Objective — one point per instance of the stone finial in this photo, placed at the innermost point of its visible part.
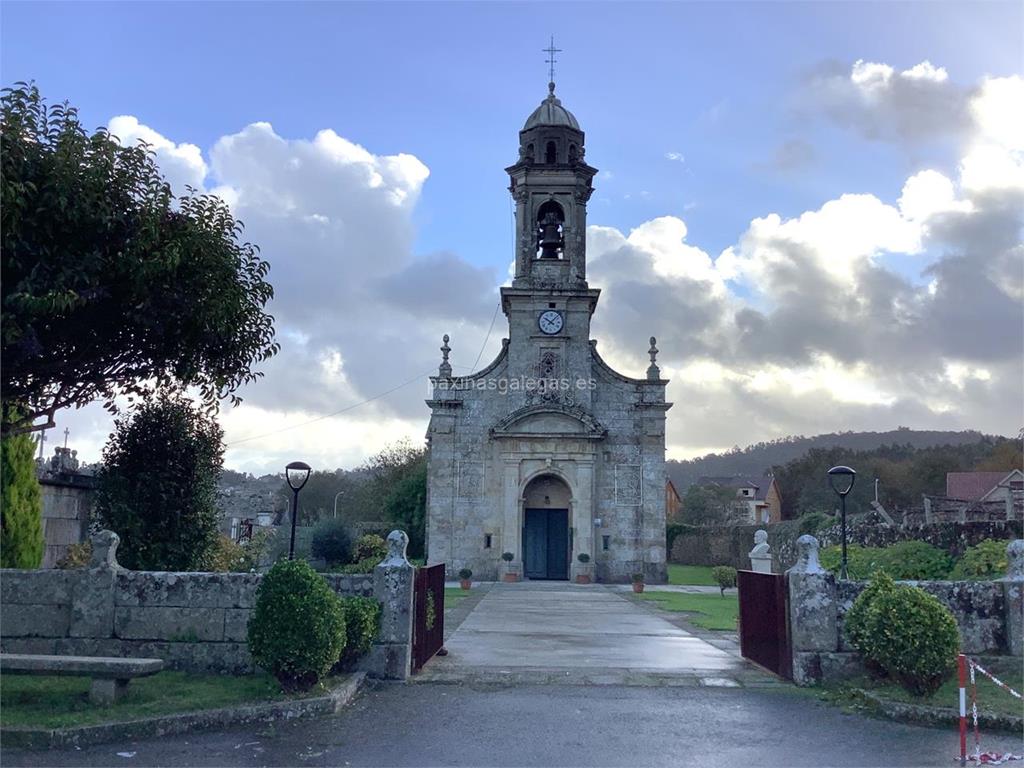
(807, 556)
(1015, 561)
(653, 371)
(445, 369)
(397, 542)
(104, 549)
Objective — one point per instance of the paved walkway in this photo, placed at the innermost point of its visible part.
(538, 631)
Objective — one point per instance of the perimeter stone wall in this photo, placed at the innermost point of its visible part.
(988, 614)
(196, 622)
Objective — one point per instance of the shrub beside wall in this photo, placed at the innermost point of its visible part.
(905, 632)
(297, 629)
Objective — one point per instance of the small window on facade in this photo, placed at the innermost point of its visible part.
(552, 306)
(487, 541)
(606, 542)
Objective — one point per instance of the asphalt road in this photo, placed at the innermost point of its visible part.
(455, 725)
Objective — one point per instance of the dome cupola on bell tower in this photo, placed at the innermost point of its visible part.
(551, 185)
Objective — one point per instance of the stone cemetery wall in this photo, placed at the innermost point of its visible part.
(988, 614)
(729, 545)
(196, 622)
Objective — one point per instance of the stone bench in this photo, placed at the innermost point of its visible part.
(110, 675)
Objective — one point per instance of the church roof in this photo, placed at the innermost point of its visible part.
(551, 112)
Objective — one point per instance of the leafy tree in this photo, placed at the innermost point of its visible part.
(707, 505)
(405, 504)
(158, 485)
(110, 285)
(331, 541)
(1004, 458)
(21, 535)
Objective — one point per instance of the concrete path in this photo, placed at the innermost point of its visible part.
(545, 631)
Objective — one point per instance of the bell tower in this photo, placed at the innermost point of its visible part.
(551, 185)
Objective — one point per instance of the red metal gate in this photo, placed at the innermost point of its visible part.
(428, 614)
(764, 625)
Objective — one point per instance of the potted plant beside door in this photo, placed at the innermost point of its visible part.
(583, 573)
(465, 578)
(509, 571)
(638, 583)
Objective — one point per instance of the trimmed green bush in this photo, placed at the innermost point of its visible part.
(297, 629)
(916, 560)
(725, 576)
(508, 557)
(21, 533)
(369, 546)
(911, 636)
(465, 573)
(583, 557)
(331, 542)
(855, 622)
(985, 560)
(362, 623)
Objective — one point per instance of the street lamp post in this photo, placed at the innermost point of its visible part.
(339, 493)
(296, 473)
(841, 479)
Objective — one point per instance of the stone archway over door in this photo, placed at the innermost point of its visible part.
(547, 544)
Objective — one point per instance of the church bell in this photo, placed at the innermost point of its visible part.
(551, 240)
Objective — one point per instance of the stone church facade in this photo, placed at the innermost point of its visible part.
(548, 453)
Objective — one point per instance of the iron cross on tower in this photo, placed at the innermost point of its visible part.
(551, 51)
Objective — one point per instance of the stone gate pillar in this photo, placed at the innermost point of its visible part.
(391, 655)
(812, 612)
(1013, 591)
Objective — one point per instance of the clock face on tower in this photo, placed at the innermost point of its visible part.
(550, 322)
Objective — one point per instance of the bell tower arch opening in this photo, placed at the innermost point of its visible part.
(550, 235)
(547, 544)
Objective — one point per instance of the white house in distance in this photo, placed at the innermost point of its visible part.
(758, 500)
(985, 486)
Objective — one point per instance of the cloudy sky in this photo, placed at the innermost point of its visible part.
(816, 208)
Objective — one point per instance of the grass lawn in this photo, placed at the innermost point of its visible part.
(991, 698)
(452, 596)
(710, 611)
(62, 702)
(691, 575)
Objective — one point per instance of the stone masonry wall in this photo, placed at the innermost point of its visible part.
(195, 621)
(988, 614)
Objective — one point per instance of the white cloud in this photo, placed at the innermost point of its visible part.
(181, 164)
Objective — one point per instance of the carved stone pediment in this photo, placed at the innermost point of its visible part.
(549, 419)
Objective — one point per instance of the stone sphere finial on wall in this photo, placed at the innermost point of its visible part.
(104, 549)
(398, 542)
(807, 555)
(1015, 560)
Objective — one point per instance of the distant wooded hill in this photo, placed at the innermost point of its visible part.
(754, 460)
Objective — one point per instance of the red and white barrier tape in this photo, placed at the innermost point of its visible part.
(982, 758)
